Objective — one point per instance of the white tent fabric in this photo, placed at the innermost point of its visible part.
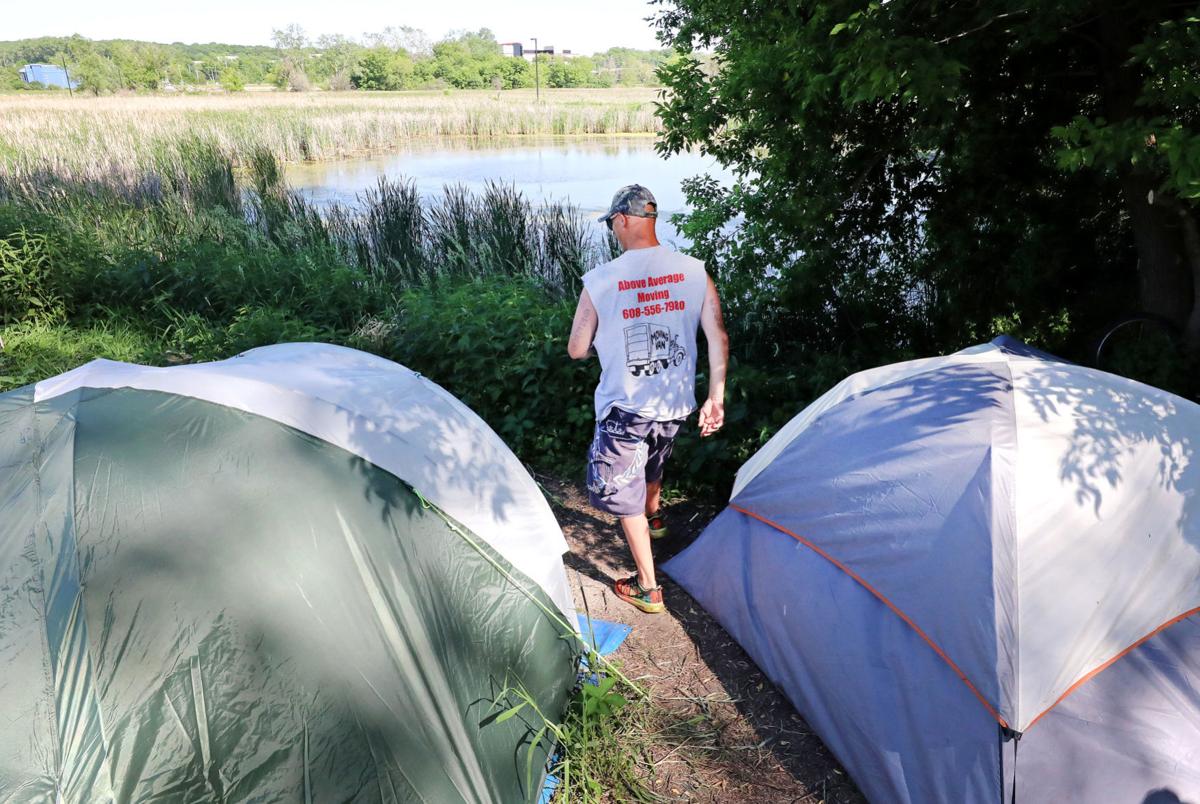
(384, 413)
(1097, 478)
(851, 386)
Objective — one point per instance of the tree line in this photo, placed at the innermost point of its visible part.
(396, 58)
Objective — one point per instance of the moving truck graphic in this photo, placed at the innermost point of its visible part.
(650, 348)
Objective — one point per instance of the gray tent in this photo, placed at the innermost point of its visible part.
(303, 574)
(939, 557)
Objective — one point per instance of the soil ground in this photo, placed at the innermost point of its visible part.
(746, 742)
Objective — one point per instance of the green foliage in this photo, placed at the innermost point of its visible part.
(574, 72)
(96, 74)
(907, 179)
(394, 59)
(231, 79)
(469, 60)
(34, 351)
(1163, 138)
(125, 64)
(499, 345)
(26, 292)
(381, 68)
(515, 73)
(600, 739)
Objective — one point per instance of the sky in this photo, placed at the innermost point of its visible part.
(582, 27)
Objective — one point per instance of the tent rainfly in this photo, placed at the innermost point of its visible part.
(302, 574)
(978, 578)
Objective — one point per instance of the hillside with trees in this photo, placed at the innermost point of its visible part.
(396, 58)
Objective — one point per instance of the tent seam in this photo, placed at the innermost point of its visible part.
(105, 744)
(48, 665)
(1016, 544)
(78, 605)
(1102, 667)
(1003, 358)
(879, 595)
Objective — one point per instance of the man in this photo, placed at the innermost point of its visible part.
(640, 314)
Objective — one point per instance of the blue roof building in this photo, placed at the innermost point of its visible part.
(49, 74)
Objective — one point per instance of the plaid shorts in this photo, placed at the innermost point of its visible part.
(627, 452)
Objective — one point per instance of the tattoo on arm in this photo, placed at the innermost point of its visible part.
(583, 328)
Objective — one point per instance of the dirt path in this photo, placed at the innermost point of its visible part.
(747, 744)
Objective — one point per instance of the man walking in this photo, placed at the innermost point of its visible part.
(640, 313)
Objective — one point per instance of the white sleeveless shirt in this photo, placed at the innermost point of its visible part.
(648, 302)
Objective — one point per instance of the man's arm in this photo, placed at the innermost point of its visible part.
(583, 330)
(712, 412)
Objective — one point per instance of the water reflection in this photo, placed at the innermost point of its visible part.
(585, 172)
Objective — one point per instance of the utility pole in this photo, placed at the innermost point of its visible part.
(70, 91)
(537, 82)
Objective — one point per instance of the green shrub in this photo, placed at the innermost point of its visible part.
(26, 287)
(499, 345)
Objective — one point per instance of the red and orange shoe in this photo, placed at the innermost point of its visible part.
(648, 600)
(658, 527)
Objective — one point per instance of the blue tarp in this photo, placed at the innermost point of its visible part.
(605, 638)
(49, 74)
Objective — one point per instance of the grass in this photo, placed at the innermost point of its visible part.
(34, 351)
(95, 139)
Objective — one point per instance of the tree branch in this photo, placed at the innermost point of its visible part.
(977, 29)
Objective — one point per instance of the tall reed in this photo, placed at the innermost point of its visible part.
(189, 237)
(100, 138)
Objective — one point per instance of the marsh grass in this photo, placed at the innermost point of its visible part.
(123, 137)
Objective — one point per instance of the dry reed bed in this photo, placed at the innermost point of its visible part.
(86, 137)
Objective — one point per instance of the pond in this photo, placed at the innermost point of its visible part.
(584, 172)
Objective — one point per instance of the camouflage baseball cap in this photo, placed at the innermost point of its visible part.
(633, 199)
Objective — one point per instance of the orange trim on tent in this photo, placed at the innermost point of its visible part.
(957, 671)
(1110, 662)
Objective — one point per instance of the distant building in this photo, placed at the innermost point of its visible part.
(50, 75)
(518, 51)
(545, 50)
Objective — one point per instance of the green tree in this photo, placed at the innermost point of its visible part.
(290, 72)
(231, 79)
(572, 72)
(452, 62)
(382, 68)
(470, 60)
(912, 176)
(515, 73)
(337, 59)
(10, 78)
(290, 39)
(96, 74)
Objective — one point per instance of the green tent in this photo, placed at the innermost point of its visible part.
(302, 574)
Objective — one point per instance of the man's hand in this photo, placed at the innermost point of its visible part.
(712, 414)
(712, 417)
